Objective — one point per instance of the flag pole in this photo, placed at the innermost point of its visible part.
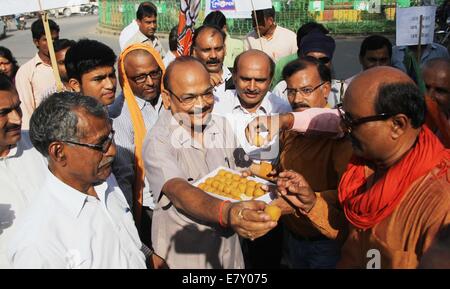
(51, 50)
(257, 24)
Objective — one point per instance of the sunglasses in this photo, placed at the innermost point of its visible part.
(351, 123)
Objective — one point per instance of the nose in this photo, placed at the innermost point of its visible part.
(109, 82)
(15, 117)
(112, 150)
(149, 81)
(213, 54)
(252, 84)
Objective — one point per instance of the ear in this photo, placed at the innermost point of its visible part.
(166, 99)
(57, 154)
(326, 88)
(75, 85)
(36, 42)
(400, 123)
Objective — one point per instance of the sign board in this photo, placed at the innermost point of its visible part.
(9, 7)
(236, 8)
(316, 6)
(407, 26)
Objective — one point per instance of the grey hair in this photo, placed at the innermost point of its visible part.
(56, 118)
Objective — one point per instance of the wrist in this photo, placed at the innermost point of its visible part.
(287, 121)
(224, 213)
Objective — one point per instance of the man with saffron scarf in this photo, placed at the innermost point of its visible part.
(140, 72)
(394, 197)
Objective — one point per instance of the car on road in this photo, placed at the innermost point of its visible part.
(83, 9)
(2, 29)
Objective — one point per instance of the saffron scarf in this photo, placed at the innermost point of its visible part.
(365, 208)
(138, 125)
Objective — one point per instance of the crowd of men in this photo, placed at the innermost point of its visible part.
(91, 179)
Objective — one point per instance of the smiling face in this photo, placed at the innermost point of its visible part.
(10, 118)
(191, 95)
(140, 68)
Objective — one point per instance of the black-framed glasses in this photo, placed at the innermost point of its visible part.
(306, 91)
(189, 99)
(156, 74)
(351, 123)
(103, 147)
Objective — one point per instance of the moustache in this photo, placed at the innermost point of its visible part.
(300, 105)
(13, 127)
(199, 110)
(247, 91)
(105, 162)
(213, 61)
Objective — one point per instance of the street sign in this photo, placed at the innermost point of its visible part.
(408, 25)
(9, 7)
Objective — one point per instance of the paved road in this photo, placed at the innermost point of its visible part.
(345, 60)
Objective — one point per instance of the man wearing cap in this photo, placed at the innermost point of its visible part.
(321, 47)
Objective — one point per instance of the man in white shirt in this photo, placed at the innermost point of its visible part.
(208, 46)
(146, 19)
(275, 40)
(252, 76)
(81, 218)
(22, 167)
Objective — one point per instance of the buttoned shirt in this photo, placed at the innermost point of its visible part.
(170, 152)
(282, 43)
(230, 107)
(65, 228)
(431, 51)
(22, 175)
(33, 80)
(124, 164)
(139, 37)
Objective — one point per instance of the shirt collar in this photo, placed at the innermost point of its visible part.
(38, 61)
(183, 136)
(265, 106)
(143, 103)
(72, 199)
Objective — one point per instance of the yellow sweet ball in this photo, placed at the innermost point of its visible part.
(243, 181)
(273, 211)
(221, 186)
(215, 184)
(228, 181)
(228, 175)
(258, 193)
(236, 194)
(249, 191)
(222, 173)
(209, 181)
(251, 184)
(236, 177)
(234, 185)
(241, 188)
(227, 190)
(202, 186)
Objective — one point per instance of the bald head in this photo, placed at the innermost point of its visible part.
(256, 56)
(185, 68)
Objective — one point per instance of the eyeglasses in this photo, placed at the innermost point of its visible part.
(292, 92)
(103, 147)
(351, 123)
(142, 78)
(189, 99)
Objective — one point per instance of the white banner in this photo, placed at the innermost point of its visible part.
(236, 8)
(407, 26)
(8, 7)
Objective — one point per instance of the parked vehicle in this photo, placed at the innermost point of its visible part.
(20, 22)
(83, 9)
(2, 28)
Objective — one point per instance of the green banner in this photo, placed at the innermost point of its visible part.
(316, 6)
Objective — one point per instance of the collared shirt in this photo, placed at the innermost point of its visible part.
(169, 58)
(338, 88)
(65, 228)
(139, 37)
(220, 90)
(431, 51)
(170, 152)
(127, 33)
(124, 162)
(230, 107)
(22, 175)
(33, 79)
(282, 43)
